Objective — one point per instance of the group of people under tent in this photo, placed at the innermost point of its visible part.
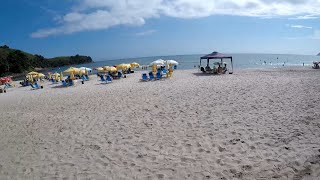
(217, 70)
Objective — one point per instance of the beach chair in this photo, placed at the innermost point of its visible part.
(164, 72)
(119, 75)
(87, 77)
(35, 86)
(108, 79)
(144, 77)
(102, 78)
(7, 85)
(175, 67)
(151, 76)
(84, 78)
(64, 84)
(71, 83)
(158, 75)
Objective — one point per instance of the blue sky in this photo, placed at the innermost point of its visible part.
(108, 29)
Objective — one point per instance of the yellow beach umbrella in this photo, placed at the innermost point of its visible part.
(99, 68)
(72, 70)
(81, 72)
(123, 66)
(33, 73)
(135, 64)
(72, 76)
(56, 74)
(110, 69)
(61, 76)
(154, 68)
(30, 78)
(40, 75)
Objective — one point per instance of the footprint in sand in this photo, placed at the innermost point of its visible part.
(247, 167)
(160, 176)
(221, 149)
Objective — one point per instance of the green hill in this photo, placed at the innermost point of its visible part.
(16, 61)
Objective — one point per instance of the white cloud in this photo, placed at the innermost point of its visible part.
(145, 33)
(305, 17)
(300, 27)
(89, 15)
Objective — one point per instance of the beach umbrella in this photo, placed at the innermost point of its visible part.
(40, 75)
(154, 68)
(110, 69)
(158, 62)
(123, 66)
(33, 73)
(61, 76)
(56, 74)
(85, 68)
(81, 72)
(99, 68)
(72, 70)
(72, 76)
(3, 80)
(135, 64)
(171, 62)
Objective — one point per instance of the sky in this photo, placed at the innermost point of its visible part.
(110, 29)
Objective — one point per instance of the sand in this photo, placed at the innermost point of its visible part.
(254, 124)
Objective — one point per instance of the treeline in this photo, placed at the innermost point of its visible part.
(16, 61)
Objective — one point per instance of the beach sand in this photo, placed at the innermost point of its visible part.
(253, 124)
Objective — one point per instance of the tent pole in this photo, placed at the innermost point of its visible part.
(232, 64)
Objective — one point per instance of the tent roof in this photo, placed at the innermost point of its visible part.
(215, 55)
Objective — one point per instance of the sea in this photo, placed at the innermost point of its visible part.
(240, 61)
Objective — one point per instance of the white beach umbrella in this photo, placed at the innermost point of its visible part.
(158, 62)
(172, 62)
(85, 68)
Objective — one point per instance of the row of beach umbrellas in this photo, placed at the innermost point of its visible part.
(118, 67)
(164, 62)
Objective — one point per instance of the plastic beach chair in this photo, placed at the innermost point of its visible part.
(64, 84)
(84, 78)
(119, 74)
(34, 86)
(164, 72)
(102, 78)
(109, 79)
(71, 83)
(151, 76)
(159, 76)
(144, 77)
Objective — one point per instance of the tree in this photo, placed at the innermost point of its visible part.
(4, 47)
(18, 62)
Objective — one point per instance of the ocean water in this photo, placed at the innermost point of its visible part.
(240, 61)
